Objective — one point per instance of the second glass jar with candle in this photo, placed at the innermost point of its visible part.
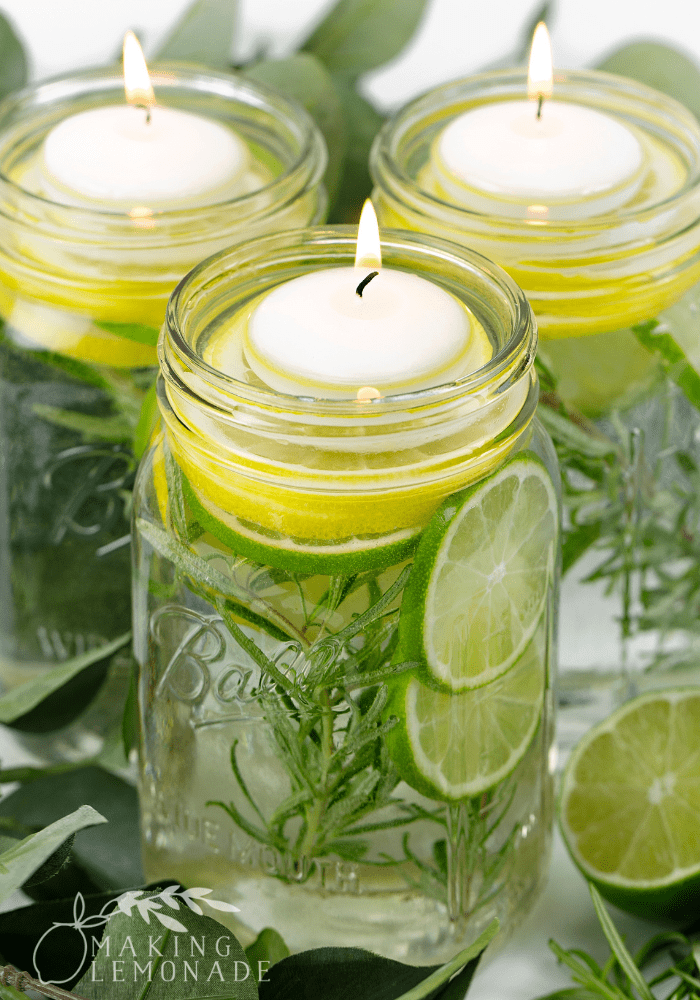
(345, 612)
(606, 270)
(84, 280)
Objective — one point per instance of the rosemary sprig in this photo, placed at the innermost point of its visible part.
(622, 977)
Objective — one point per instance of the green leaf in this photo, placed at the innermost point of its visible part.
(132, 331)
(20, 862)
(110, 856)
(659, 66)
(657, 340)
(305, 78)
(578, 541)
(268, 947)
(115, 428)
(346, 973)
(359, 35)
(220, 972)
(204, 34)
(21, 700)
(362, 122)
(10, 993)
(148, 421)
(13, 61)
(53, 865)
(617, 947)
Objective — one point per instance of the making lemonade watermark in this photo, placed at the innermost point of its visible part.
(128, 956)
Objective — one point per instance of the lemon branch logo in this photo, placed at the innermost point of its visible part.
(131, 903)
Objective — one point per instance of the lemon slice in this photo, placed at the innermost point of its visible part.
(480, 577)
(630, 805)
(457, 746)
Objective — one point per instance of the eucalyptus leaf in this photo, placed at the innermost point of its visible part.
(362, 122)
(348, 973)
(659, 66)
(659, 341)
(305, 78)
(204, 34)
(138, 332)
(359, 35)
(222, 971)
(115, 428)
(13, 61)
(147, 422)
(52, 866)
(21, 700)
(21, 861)
(268, 947)
(110, 856)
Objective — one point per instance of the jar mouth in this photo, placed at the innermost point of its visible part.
(402, 142)
(228, 280)
(27, 116)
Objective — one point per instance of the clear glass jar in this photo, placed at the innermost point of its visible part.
(590, 281)
(282, 692)
(82, 296)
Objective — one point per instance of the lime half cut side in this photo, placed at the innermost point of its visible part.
(480, 576)
(457, 746)
(269, 548)
(630, 805)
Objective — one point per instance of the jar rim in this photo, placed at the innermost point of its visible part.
(30, 108)
(270, 255)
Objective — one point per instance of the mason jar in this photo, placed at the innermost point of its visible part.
(345, 621)
(607, 286)
(83, 289)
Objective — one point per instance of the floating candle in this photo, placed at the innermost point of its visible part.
(140, 153)
(510, 156)
(334, 332)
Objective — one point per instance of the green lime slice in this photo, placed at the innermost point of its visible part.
(268, 548)
(457, 746)
(630, 805)
(480, 577)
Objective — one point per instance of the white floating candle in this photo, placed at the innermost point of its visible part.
(359, 332)
(569, 159)
(142, 154)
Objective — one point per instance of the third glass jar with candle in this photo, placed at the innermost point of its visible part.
(345, 596)
(103, 208)
(594, 209)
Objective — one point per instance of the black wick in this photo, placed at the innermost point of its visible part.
(365, 281)
(540, 102)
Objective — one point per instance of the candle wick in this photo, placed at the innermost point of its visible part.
(365, 281)
(540, 102)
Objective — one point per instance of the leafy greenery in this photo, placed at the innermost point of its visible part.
(13, 61)
(204, 34)
(660, 66)
(622, 976)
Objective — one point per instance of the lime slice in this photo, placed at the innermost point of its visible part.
(457, 746)
(269, 548)
(630, 805)
(480, 577)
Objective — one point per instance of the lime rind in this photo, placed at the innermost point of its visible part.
(477, 737)
(446, 634)
(615, 805)
(267, 548)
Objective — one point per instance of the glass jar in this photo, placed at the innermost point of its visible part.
(602, 288)
(82, 296)
(297, 752)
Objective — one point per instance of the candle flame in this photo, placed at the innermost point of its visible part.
(137, 83)
(369, 253)
(539, 72)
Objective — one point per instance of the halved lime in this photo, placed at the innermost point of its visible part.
(480, 576)
(457, 746)
(269, 548)
(630, 805)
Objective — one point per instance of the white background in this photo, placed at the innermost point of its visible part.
(457, 37)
